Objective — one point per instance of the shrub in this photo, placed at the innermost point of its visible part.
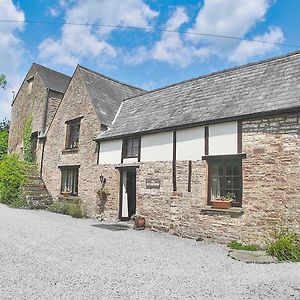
(286, 247)
(59, 207)
(239, 246)
(20, 203)
(66, 208)
(75, 211)
(12, 177)
(3, 142)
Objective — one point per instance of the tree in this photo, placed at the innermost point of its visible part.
(2, 81)
(4, 128)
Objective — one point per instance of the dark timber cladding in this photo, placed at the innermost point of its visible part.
(239, 137)
(190, 177)
(174, 162)
(206, 137)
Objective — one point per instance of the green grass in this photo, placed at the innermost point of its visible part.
(286, 247)
(239, 246)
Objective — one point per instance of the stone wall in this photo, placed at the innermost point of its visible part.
(77, 104)
(25, 104)
(271, 192)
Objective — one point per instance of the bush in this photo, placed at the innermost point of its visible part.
(286, 247)
(3, 143)
(20, 203)
(67, 208)
(239, 246)
(12, 178)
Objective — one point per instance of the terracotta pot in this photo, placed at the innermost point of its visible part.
(220, 204)
(139, 223)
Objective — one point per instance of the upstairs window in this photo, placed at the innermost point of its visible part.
(73, 130)
(69, 180)
(131, 147)
(225, 176)
(29, 85)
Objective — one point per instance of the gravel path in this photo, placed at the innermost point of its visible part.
(51, 256)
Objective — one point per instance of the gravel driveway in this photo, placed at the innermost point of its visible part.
(51, 256)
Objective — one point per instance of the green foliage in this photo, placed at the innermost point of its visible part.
(4, 127)
(3, 142)
(239, 246)
(67, 208)
(12, 178)
(3, 81)
(286, 247)
(27, 140)
(19, 203)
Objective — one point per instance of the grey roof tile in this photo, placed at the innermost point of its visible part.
(53, 80)
(260, 87)
(106, 94)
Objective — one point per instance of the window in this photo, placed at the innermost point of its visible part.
(225, 176)
(131, 147)
(73, 129)
(29, 85)
(69, 180)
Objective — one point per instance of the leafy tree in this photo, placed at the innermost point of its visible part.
(4, 128)
(2, 81)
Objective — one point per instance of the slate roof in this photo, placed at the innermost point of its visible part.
(262, 87)
(53, 80)
(106, 94)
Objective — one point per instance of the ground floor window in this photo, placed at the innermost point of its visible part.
(225, 176)
(69, 180)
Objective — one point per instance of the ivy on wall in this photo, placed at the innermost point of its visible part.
(27, 151)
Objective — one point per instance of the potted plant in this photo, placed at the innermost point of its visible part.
(223, 202)
(102, 193)
(139, 222)
(66, 193)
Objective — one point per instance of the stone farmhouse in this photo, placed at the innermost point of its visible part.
(166, 154)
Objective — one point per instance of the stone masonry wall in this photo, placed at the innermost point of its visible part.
(271, 193)
(77, 104)
(23, 106)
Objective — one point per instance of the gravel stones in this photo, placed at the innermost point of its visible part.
(50, 256)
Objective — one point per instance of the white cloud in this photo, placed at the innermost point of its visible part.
(219, 17)
(228, 17)
(11, 53)
(78, 42)
(247, 49)
(53, 12)
(170, 48)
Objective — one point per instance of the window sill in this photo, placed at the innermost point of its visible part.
(69, 151)
(233, 212)
(62, 198)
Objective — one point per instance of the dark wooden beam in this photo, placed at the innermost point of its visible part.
(206, 140)
(190, 177)
(174, 162)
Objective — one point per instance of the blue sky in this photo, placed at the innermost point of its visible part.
(143, 58)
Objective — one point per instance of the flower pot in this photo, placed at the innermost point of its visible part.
(221, 204)
(66, 194)
(139, 223)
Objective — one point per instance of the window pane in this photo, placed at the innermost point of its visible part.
(73, 131)
(69, 181)
(224, 178)
(131, 147)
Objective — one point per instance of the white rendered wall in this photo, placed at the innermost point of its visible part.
(110, 152)
(190, 144)
(223, 138)
(157, 147)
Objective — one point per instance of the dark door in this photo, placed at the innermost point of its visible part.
(131, 192)
(127, 193)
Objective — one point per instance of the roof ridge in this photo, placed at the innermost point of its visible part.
(39, 65)
(109, 78)
(220, 72)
